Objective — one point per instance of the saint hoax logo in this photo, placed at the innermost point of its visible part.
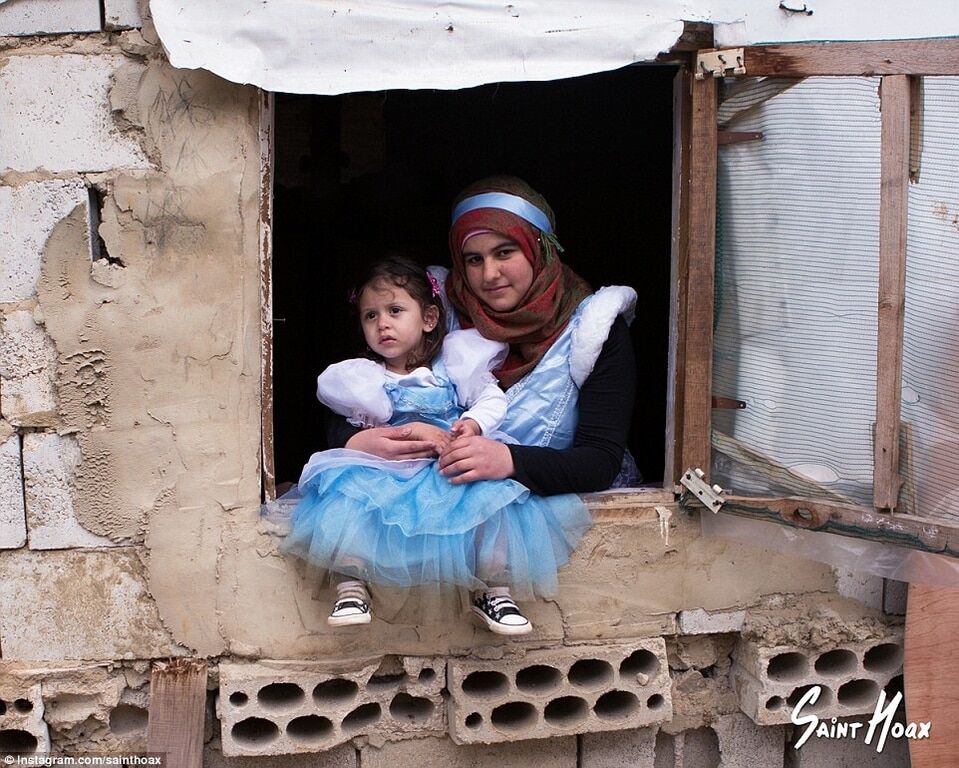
(881, 725)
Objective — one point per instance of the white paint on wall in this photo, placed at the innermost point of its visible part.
(299, 46)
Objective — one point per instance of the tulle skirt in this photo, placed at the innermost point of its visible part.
(401, 523)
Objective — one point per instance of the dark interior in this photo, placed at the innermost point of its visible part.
(362, 174)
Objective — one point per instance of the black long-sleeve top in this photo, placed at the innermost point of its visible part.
(605, 407)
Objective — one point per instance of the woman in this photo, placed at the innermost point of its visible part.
(570, 373)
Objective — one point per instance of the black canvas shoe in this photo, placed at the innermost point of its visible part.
(352, 605)
(502, 616)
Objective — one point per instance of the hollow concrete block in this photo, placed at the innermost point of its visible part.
(122, 14)
(554, 753)
(28, 365)
(22, 728)
(289, 707)
(43, 17)
(697, 621)
(770, 681)
(579, 689)
(55, 115)
(343, 756)
(635, 748)
(78, 604)
(13, 526)
(849, 752)
(50, 464)
(28, 213)
(743, 744)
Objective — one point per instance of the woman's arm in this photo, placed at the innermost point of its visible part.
(592, 462)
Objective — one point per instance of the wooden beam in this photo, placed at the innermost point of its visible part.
(891, 57)
(738, 137)
(177, 712)
(678, 272)
(893, 207)
(698, 351)
(267, 463)
(814, 514)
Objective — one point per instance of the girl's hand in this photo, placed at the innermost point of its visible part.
(465, 428)
(438, 438)
(394, 443)
(472, 458)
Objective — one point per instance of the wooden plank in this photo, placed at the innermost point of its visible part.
(893, 207)
(267, 463)
(177, 712)
(815, 514)
(698, 351)
(678, 273)
(891, 57)
(930, 672)
(737, 137)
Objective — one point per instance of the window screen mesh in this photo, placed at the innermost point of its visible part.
(796, 288)
(930, 369)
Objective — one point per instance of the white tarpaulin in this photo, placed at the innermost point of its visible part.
(337, 46)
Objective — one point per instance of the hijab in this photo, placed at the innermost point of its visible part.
(508, 206)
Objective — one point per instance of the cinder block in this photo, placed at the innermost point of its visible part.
(55, 115)
(743, 744)
(864, 587)
(28, 214)
(75, 604)
(849, 752)
(343, 756)
(13, 524)
(699, 748)
(122, 14)
(700, 622)
(50, 465)
(554, 753)
(22, 728)
(287, 707)
(619, 749)
(894, 597)
(28, 364)
(770, 681)
(559, 692)
(43, 17)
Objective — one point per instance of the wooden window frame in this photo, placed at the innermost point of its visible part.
(899, 64)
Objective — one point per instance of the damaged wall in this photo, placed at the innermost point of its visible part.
(129, 454)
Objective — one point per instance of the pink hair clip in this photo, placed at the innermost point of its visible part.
(434, 283)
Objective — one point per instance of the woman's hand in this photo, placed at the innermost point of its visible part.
(394, 443)
(472, 458)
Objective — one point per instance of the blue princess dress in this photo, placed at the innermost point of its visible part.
(401, 523)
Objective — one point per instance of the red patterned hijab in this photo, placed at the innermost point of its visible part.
(531, 327)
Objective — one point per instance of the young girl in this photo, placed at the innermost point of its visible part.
(402, 523)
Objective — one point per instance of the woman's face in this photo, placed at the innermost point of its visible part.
(496, 271)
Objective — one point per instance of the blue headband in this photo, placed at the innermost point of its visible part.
(505, 202)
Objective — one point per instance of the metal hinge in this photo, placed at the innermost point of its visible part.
(694, 481)
(729, 61)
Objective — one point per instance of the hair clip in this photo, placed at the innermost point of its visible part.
(351, 296)
(434, 283)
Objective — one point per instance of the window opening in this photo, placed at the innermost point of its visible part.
(359, 174)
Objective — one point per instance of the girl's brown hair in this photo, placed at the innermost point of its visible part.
(402, 272)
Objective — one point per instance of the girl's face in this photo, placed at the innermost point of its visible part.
(496, 271)
(393, 323)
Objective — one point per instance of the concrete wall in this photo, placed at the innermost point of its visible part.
(129, 478)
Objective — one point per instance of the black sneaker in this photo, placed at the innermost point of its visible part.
(502, 616)
(352, 605)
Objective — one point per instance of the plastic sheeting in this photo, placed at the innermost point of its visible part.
(797, 285)
(845, 552)
(335, 46)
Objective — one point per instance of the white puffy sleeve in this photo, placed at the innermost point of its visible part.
(469, 360)
(354, 388)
